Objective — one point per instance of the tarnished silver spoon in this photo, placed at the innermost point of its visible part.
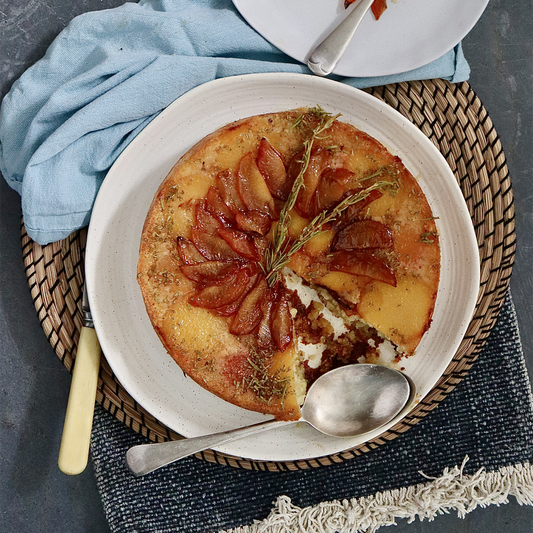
(326, 55)
(345, 402)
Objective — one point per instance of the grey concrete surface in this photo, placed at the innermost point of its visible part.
(34, 495)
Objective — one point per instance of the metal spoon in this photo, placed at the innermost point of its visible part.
(345, 402)
(326, 55)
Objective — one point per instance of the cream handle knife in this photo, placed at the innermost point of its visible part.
(74, 450)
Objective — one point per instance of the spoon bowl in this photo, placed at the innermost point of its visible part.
(346, 402)
(355, 399)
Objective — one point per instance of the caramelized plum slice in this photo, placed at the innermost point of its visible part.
(227, 186)
(378, 7)
(222, 294)
(240, 242)
(363, 234)
(357, 210)
(331, 188)
(281, 321)
(265, 340)
(217, 207)
(212, 246)
(363, 263)
(252, 187)
(249, 314)
(270, 164)
(204, 219)
(209, 271)
(232, 308)
(262, 244)
(253, 221)
(318, 161)
(188, 252)
(295, 166)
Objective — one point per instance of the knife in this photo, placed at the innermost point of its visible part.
(74, 449)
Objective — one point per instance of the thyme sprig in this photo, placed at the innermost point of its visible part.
(281, 249)
(281, 232)
(315, 227)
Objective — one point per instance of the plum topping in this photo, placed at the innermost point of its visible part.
(270, 164)
(363, 263)
(240, 242)
(227, 186)
(210, 271)
(252, 187)
(334, 182)
(230, 309)
(205, 221)
(231, 235)
(378, 7)
(223, 293)
(363, 234)
(318, 162)
(265, 341)
(212, 246)
(356, 211)
(249, 313)
(253, 221)
(217, 207)
(188, 252)
(281, 321)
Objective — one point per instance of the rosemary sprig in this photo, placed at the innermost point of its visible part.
(314, 228)
(281, 248)
(280, 236)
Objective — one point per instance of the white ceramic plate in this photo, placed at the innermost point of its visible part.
(128, 340)
(410, 34)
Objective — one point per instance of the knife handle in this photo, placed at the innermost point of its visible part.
(74, 450)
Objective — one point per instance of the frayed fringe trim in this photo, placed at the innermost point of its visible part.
(453, 491)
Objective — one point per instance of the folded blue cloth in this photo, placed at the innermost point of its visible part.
(109, 73)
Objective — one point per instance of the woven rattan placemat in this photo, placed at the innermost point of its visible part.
(454, 119)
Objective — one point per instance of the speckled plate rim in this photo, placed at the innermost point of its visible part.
(111, 257)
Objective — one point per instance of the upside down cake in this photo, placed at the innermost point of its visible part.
(284, 245)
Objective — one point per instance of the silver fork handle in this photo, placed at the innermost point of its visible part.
(326, 55)
(146, 458)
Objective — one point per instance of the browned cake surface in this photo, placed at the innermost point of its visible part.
(220, 231)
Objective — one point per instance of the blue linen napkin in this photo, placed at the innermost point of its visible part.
(107, 75)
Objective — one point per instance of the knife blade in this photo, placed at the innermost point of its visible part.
(74, 448)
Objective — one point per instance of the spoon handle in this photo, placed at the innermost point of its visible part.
(146, 458)
(74, 449)
(326, 55)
